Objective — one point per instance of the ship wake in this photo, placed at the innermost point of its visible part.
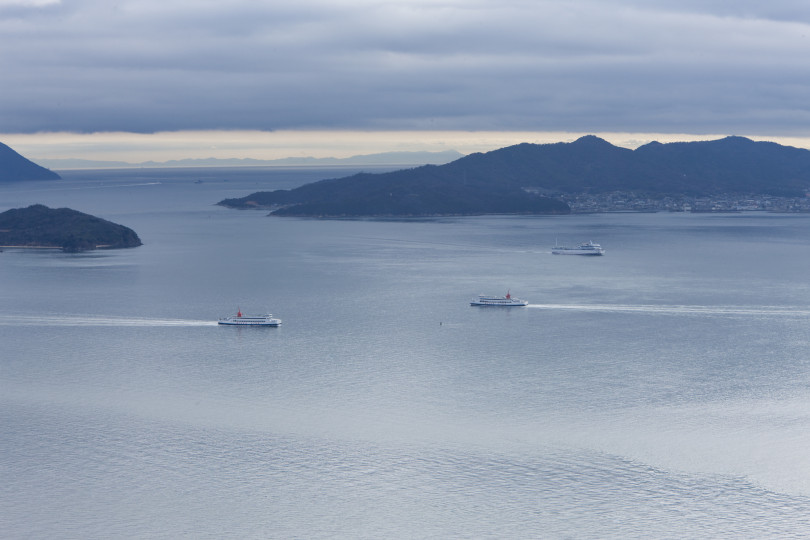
(85, 320)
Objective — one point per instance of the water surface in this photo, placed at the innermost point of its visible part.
(658, 391)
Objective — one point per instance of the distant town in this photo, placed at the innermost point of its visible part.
(628, 201)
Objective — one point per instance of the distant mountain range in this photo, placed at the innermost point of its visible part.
(525, 178)
(384, 158)
(15, 168)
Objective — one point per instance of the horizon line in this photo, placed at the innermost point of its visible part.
(316, 144)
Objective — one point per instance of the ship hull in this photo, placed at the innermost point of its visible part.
(588, 248)
(574, 251)
(495, 304)
(499, 301)
(249, 321)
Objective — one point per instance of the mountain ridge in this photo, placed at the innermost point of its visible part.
(513, 179)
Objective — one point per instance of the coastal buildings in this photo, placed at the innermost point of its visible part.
(626, 201)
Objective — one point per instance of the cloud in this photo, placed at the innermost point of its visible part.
(616, 65)
(28, 3)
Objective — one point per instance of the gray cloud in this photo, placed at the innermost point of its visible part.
(618, 65)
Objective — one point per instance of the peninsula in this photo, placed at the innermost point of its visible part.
(421, 192)
(540, 178)
(41, 227)
(16, 168)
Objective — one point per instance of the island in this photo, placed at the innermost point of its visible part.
(553, 179)
(41, 227)
(16, 168)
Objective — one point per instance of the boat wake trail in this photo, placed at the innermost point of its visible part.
(82, 320)
(755, 311)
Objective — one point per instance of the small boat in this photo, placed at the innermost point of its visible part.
(505, 301)
(587, 248)
(250, 320)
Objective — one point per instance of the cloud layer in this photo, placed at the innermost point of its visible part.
(689, 66)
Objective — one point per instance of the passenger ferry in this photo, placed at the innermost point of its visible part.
(250, 320)
(587, 248)
(506, 301)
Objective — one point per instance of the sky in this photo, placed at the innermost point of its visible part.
(172, 79)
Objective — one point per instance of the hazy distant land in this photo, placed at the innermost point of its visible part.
(535, 179)
(384, 158)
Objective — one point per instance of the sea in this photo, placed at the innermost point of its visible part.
(659, 391)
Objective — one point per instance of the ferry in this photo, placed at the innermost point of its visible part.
(587, 248)
(250, 320)
(506, 301)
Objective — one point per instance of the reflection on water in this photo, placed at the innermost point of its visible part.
(759, 311)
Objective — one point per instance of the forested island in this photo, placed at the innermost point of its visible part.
(41, 227)
(537, 178)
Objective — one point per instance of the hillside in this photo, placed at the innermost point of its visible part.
(590, 164)
(509, 180)
(16, 168)
(40, 226)
(423, 191)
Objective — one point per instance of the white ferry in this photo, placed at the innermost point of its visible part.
(506, 301)
(587, 248)
(250, 320)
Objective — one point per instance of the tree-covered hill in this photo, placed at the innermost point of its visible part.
(403, 193)
(423, 191)
(513, 180)
(590, 164)
(70, 230)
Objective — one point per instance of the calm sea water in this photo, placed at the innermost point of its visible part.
(660, 391)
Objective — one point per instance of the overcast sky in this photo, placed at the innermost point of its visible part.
(573, 66)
